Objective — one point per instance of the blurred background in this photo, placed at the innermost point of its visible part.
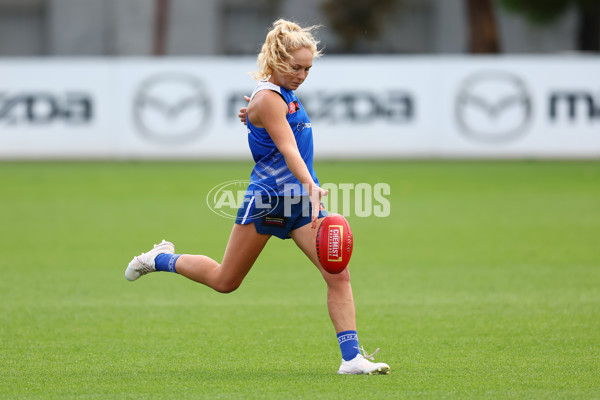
(237, 27)
(165, 79)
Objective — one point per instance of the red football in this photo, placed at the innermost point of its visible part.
(334, 243)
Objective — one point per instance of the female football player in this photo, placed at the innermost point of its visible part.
(281, 142)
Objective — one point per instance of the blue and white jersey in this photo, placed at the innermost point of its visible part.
(271, 170)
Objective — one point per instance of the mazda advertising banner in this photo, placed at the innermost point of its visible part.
(360, 107)
(56, 109)
(520, 107)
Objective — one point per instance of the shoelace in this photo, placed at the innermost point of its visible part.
(364, 353)
(144, 268)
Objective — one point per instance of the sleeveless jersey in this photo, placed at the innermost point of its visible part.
(271, 170)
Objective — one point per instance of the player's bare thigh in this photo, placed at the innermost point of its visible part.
(306, 239)
(243, 248)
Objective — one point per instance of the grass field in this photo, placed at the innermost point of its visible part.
(484, 282)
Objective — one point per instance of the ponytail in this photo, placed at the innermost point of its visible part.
(284, 37)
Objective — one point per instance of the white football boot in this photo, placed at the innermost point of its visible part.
(144, 263)
(360, 365)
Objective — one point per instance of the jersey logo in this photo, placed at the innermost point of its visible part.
(277, 222)
(294, 106)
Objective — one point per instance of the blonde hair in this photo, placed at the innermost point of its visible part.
(285, 36)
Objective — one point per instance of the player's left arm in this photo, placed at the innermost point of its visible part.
(244, 111)
(270, 112)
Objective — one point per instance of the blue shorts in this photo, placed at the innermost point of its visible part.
(277, 216)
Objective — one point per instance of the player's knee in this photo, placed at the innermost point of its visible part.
(341, 279)
(227, 286)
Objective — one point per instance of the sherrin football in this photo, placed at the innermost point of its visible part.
(334, 243)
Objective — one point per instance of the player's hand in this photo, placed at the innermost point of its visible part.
(243, 111)
(316, 193)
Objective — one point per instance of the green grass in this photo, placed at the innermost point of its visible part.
(484, 282)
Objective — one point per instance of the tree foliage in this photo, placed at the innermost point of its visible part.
(548, 11)
(539, 12)
(353, 19)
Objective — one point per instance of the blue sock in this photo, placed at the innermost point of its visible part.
(348, 341)
(166, 262)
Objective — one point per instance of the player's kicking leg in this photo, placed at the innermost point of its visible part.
(340, 304)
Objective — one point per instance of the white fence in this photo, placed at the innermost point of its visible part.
(365, 107)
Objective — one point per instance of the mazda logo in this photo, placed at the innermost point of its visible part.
(171, 108)
(493, 107)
